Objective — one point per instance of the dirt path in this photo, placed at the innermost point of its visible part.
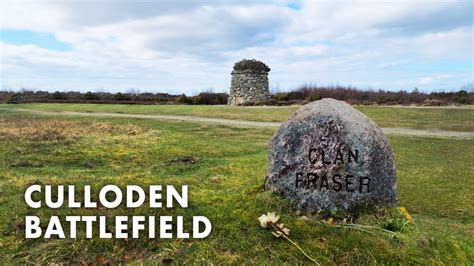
(387, 130)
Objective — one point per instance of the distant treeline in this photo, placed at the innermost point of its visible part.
(301, 95)
(28, 96)
(308, 93)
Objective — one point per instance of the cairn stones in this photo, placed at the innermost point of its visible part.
(249, 84)
(329, 156)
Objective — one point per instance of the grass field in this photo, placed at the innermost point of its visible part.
(418, 118)
(226, 175)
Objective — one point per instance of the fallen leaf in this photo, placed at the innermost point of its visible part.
(99, 259)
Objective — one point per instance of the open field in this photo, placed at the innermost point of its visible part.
(455, 119)
(234, 122)
(226, 175)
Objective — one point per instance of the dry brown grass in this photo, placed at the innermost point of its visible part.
(57, 130)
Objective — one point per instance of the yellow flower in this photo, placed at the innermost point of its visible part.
(271, 217)
(330, 221)
(404, 211)
(408, 217)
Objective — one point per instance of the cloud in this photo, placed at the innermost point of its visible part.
(187, 46)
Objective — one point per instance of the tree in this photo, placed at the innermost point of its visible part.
(90, 96)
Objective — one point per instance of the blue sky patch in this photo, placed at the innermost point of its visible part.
(43, 40)
(294, 5)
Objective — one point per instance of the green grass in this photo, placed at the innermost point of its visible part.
(418, 118)
(435, 183)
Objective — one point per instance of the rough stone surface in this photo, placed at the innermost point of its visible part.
(329, 156)
(248, 86)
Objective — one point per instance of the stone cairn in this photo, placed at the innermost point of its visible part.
(249, 83)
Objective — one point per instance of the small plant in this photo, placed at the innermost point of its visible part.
(398, 220)
(279, 230)
(253, 64)
(402, 220)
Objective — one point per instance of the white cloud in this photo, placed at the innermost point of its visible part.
(430, 80)
(191, 45)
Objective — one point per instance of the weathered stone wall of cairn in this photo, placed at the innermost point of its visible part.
(249, 84)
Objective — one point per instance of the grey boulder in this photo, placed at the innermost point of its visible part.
(329, 156)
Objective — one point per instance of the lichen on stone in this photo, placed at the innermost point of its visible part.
(329, 156)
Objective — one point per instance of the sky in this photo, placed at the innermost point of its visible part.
(191, 46)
